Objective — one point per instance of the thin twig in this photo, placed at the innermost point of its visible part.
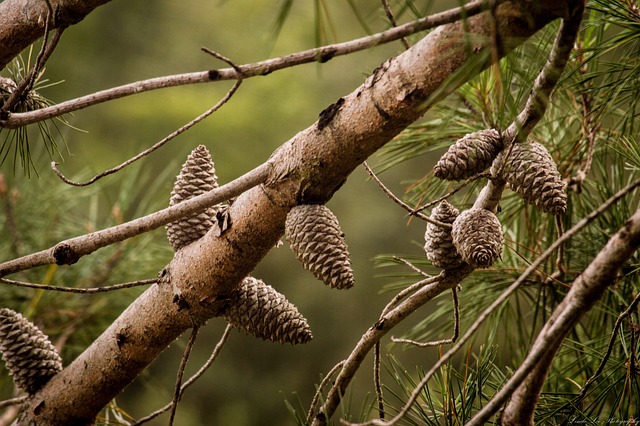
(193, 378)
(86, 244)
(376, 379)
(177, 394)
(456, 328)
(316, 396)
(321, 54)
(502, 298)
(399, 202)
(171, 136)
(91, 290)
(413, 267)
(13, 401)
(450, 193)
(411, 289)
(392, 20)
(626, 313)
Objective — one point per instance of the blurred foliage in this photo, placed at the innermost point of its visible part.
(255, 382)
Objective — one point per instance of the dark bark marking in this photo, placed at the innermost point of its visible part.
(64, 254)
(328, 113)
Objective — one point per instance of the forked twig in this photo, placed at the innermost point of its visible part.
(456, 328)
(193, 378)
(171, 136)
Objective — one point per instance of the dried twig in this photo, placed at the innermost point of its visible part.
(321, 54)
(453, 191)
(323, 383)
(392, 20)
(159, 144)
(376, 379)
(86, 244)
(13, 401)
(183, 364)
(456, 328)
(192, 379)
(401, 203)
(91, 290)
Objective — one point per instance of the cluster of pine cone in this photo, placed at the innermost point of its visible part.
(475, 235)
(314, 236)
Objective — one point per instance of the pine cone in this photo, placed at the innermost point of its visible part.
(438, 242)
(258, 309)
(477, 235)
(197, 176)
(469, 156)
(315, 237)
(29, 355)
(532, 173)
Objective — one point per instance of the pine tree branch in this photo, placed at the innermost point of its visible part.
(498, 302)
(320, 54)
(198, 282)
(585, 291)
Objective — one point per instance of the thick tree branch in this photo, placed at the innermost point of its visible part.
(309, 168)
(320, 54)
(22, 22)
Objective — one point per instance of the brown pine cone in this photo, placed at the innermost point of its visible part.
(469, 156)
(317, 241)
(259, 310)
(438, 241)
(477, 235)
(197, 176)
(532, 173)
(29, 355)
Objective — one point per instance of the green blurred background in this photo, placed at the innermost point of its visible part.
(123, 42)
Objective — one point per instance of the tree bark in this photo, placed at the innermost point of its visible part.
(585, 291)
(22, 22)
(309, 168)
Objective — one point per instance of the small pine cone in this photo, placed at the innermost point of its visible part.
(532, 173)
(318, 242)
(29, 355)
(258, 309)
(469, 156)
(477, 235)
(438, 242)
(197, 176)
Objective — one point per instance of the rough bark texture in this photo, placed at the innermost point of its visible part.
(308, 169)
(585, 291)
(22, 22)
